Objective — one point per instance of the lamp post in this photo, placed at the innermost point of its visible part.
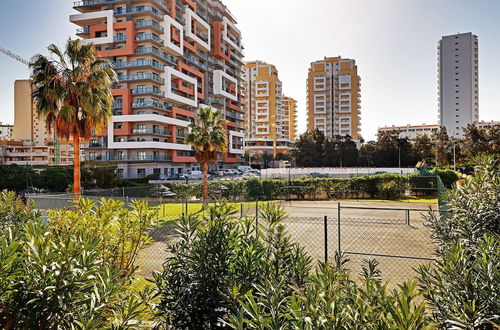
(399, 157)
(454, 153)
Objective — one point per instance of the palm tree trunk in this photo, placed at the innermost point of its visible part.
(205, 181)
(76, 165)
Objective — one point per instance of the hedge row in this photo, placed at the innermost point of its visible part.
(374, 186)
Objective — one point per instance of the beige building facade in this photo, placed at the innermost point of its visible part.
(269, 125)
(334, 97)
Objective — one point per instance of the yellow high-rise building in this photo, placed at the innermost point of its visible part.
(333, 97)
(289, 122)
(267, 129)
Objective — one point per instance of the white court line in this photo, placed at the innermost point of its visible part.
(379, 242)
(352, 241)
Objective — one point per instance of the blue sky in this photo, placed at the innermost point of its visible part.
(394, 43)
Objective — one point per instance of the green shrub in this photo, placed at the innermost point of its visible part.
(462, 288)
(49, 281)
(330, 299)
(448, 177)
(218, 260)
(122, 231)
(13, 211)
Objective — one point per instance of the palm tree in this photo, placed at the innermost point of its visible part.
(207, 137)
(71, 90)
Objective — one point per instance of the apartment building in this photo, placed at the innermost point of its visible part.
(31, 136)
(171, 56)
(267, 126)
(30, 154)
(334, 97)
(289, 122)
(413, 131)
(5, 131)
(458, 82)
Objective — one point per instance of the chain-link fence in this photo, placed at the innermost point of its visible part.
(396, 236)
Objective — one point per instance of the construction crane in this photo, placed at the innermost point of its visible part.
(27, 63)
(14, 56)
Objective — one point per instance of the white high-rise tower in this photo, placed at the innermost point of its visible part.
(458, 82)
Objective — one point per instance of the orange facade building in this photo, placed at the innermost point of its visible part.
(270, 125)
(171, 56)
(333, 97)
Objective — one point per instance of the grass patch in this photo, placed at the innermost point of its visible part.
(176, 209)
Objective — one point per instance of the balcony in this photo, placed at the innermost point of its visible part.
(145, 91)
(142, 9)
(139, 63)
(96, 145)
(83, 31)
(142, 76)
(149, 23)
(155, 51)
(93, 2)
(151, 131)
(149, 36)
(137, 158)
(150, 104)
(120, 38)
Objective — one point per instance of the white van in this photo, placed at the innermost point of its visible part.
(244, 169)
(194, 175)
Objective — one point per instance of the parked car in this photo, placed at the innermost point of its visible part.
(318, 175)
(244, 169)
(176, 176)
(194, 175)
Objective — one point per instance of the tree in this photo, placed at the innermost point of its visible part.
(71, 90)
(480, 140)
(207, 137)
(308, 151)
(441, 142)
(423, 149)
(367, 154)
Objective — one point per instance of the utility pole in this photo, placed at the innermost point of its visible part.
(399, 157)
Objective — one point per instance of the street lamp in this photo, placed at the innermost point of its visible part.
(454, 153)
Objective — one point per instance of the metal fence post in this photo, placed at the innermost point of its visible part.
(326, 237)
(408, 217)
(257, 218)
(338, 226)
(241, 210)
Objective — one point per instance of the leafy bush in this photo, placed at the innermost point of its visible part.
(463, 288)
(330, 299)
(50, 281)
(122, 232)
(448, 177)
(220, 258)
(13, 211)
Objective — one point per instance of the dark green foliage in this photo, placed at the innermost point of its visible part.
(448, 177)
(53, 281)
(103, 176)
(16, 178)
(332, 299)
(13, 211)
(218, 260)
(463, 288)
(54, 179)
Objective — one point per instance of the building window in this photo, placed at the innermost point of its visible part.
(141, 172)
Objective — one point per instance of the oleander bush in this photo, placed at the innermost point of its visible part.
(60, 279)
(463, 289)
